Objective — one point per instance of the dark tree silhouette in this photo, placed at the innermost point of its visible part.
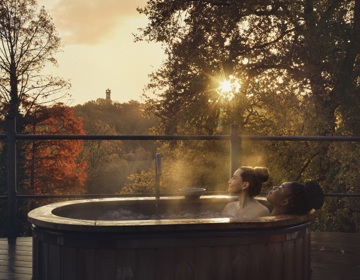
(28, 42)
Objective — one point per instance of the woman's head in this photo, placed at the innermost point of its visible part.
(248, 179)
(296, 198)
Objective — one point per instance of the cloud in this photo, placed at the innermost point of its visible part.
(91, 22)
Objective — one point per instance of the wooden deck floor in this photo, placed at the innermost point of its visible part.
(335, 256)
(16, 259)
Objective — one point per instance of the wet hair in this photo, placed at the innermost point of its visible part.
(304, 197)
(255, 176)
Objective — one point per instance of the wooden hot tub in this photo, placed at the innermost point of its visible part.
(85, 239)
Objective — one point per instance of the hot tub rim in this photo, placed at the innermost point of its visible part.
(45, 218)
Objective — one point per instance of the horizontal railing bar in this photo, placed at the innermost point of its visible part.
(343, 194)
(119, 137)
(304, 138)
(29, 196)
(179, 137)
(81, 195)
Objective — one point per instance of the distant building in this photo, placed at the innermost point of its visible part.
(108, 94)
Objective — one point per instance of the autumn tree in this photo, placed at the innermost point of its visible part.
(28, 43)
(47, 166)
(53, 166)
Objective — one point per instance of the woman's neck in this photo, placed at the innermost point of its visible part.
(244, 199)
(278, 211)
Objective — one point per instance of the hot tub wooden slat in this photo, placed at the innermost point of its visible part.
(203, 263)
(184, 263)
(275, 261)
(69, 263)
(289, 260)
(258, 259)
(307, 257)
(241, 262)
(146, 258)
(126, 263)
(54, 260)
(87, 264)
(223, 263)
(165, 263)
(107, 264)
(44, 256)
(299, 263)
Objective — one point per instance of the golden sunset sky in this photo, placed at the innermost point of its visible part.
(99, 51)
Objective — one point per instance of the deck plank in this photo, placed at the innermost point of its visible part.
(334, 256)
(16, 259)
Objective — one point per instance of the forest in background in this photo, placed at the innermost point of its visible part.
(110, 163)
(289, 68)
(292, 69)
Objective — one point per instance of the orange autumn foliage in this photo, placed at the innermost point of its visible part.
(52, 166)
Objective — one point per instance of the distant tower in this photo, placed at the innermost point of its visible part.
(108, 93)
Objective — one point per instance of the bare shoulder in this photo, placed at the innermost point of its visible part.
(263, 210)
(230, 207)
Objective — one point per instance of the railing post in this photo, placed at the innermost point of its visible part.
(234, 149)
(158, 172)
(11, 176)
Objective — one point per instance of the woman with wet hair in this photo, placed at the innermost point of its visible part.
(246, 183)
(295, 198)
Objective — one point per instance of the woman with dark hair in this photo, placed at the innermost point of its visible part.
(246, 183)
(295, 198)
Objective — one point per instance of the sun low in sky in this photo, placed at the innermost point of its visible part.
(99, 51)
(228, 88)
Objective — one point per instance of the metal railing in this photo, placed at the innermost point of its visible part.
(11, 137)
